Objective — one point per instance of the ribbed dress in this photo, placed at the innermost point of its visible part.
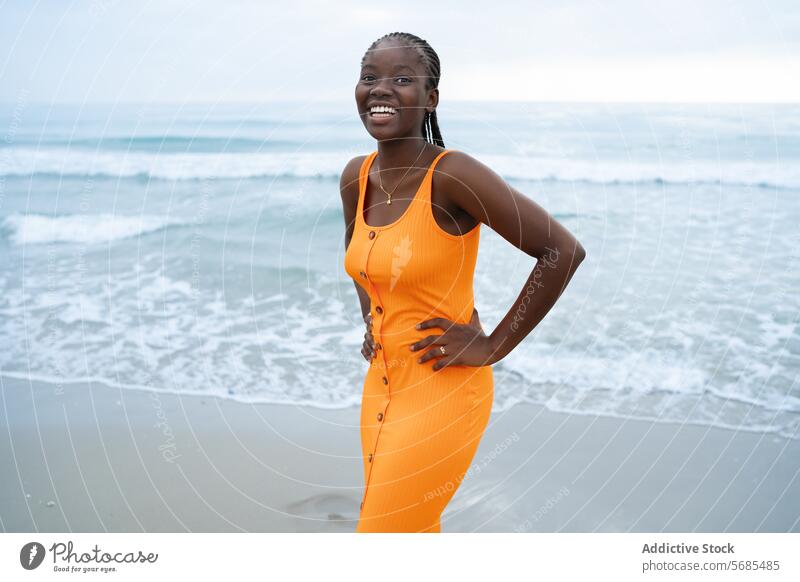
(420, 429)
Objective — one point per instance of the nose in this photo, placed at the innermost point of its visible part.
(379, 89)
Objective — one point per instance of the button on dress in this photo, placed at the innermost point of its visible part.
(420, 428)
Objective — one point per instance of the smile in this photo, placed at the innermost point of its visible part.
(381, 111)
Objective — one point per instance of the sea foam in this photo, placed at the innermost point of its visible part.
(81, 228)
(245, 165)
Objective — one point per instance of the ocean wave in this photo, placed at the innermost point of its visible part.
(169, 166)
(328, 165)
(153, 144)
(81, 228)
(232, 343)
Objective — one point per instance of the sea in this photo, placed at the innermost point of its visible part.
(199, 249)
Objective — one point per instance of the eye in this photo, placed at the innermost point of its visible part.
(408, 79)
(364, 77)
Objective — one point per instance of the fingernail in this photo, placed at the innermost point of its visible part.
(412, 348)
(419, 326)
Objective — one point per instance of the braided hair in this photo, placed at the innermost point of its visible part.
(429, 58)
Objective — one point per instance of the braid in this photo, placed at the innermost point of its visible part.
(429, 58)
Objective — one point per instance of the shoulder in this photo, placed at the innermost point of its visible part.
(459, 159)
(459, 170)
(468, 184)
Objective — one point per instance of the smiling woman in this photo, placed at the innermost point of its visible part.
(411, 250)
(421, 74)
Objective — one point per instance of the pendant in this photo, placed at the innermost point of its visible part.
(389, 201)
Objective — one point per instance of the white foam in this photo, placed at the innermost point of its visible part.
(240, 165)
(81, 228)
(170, 166)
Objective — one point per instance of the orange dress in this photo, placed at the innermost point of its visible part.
(420, 429)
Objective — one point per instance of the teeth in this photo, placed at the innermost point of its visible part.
(382, 109)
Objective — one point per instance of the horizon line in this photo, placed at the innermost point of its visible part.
(348, 102)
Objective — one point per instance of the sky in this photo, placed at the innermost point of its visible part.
(56, 51)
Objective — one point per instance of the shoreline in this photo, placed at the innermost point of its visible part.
(43, 380)
(105, 459)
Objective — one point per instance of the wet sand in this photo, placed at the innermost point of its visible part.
(92, 458)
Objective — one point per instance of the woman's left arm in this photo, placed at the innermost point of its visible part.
(483, 194)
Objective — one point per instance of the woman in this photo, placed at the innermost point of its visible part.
(411, 245)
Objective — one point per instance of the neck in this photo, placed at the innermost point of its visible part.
(397, 155)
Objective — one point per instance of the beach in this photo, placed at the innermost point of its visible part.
(179, 340)
(84, 458)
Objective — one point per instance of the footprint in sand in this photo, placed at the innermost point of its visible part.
(325, 512)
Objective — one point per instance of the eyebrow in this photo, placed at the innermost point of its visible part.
(396, 67)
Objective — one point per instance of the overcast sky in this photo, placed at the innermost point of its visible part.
(243, 50)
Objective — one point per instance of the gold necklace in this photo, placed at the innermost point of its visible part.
(380, 180)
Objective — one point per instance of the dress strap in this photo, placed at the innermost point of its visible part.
(362, 185)
(427, 181)
(424, 189)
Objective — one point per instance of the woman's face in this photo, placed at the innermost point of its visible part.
(393, 75)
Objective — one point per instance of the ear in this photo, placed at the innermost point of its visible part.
(433, 98)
